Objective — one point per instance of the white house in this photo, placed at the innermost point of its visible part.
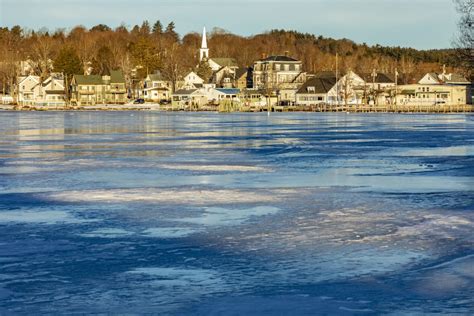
(192, 81)
(50, 92)
(326, 87)
(444, 78)
(29, 89)
(156, 88)
(53, 91)
(207, 94)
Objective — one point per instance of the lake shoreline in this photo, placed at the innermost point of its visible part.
(433, 109)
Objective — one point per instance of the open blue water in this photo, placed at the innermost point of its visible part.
(185, 213)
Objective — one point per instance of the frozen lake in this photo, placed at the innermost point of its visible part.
(204, 213)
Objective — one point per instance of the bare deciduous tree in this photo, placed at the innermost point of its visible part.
(464, 42)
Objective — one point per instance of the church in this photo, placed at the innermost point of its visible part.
(226, 72)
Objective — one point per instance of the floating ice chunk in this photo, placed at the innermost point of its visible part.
(179, 277)
(170, 232)
(41, 217)
(216, 168)
(216, 216)
(108, 233)
(438, 151)
(181, 196)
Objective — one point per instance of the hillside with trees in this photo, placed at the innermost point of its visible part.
(145, 48)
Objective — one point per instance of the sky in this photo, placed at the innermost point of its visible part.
(422, 24)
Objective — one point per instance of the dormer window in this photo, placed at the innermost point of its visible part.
(311, 89)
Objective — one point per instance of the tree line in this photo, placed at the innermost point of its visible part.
(145, 48)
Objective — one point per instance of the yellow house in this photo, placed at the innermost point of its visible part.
(432, 94)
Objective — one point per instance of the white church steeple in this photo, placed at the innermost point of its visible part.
(204, 51)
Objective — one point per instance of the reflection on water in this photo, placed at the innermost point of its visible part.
(205, 213)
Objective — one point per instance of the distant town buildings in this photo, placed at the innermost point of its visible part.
(272, 80)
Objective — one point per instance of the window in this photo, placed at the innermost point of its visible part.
(320, 98)
(287, 67)
(277, 67)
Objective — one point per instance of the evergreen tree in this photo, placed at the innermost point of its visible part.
(157, 28)
(170, 31)
(204, 71)
(101, 28)
(145, 28)
(145, 55)
(68, 63)
(103, 61)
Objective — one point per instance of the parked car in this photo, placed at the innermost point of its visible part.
(139, 101)
(164, 102)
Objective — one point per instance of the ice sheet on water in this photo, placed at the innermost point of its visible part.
(462, 151)
(175, 277)
(182, 196)
(170, 232)
(41, 217)
(108, 233)
(214, 168)
(216, 216)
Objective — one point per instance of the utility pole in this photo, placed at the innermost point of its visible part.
(337, 81)
(374, 74)
(396, 85)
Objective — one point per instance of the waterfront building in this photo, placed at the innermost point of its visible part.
(95, 89)
(328, 88)
(156, 88)
(207, 94)
(433, 78)
(191, 81)
(34, 92)
(378, 87)
(276, 72)
(433, 94)
(28, 89)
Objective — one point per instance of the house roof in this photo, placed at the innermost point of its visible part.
(278, 58)
(448, 78)
(228, 91)
(380, 78)
(321, 85)
(457, 78)
(156, 77)
(185, 91)
(35, 78)
(88, 79)
(229, 62)
(116, 76)
(240, 72)
(325, 74)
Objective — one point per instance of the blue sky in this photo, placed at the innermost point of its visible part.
(416, 23)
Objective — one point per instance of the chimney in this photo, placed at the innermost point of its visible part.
(264, 55)
(287, 53)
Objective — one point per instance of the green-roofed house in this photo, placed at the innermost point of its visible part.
(95, 89)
